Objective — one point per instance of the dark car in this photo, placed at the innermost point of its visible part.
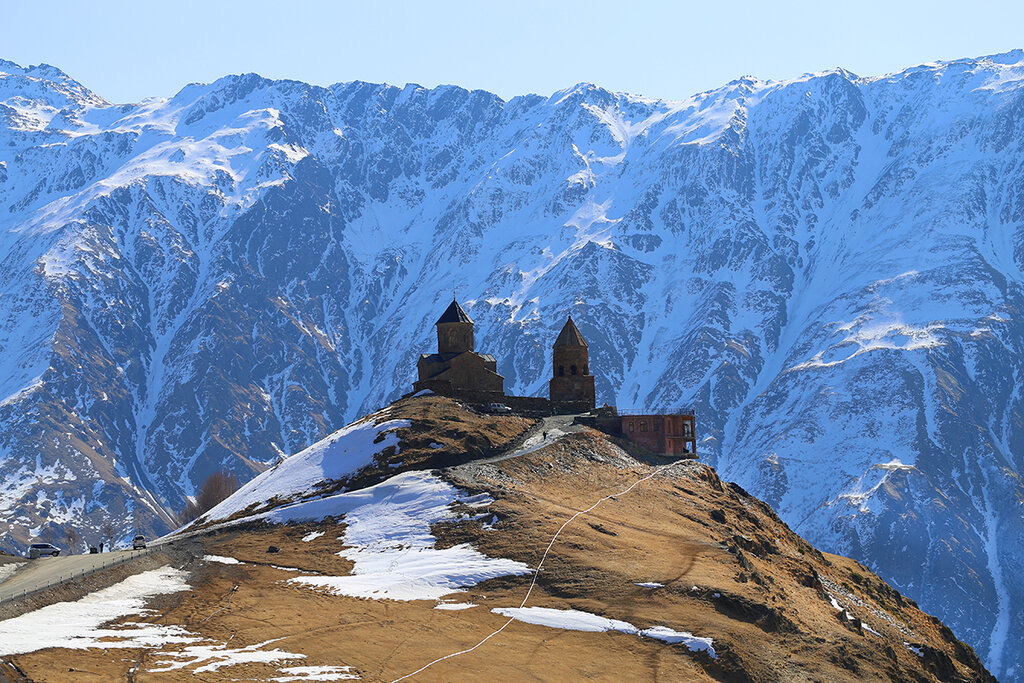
(139, 542)
(37, 550)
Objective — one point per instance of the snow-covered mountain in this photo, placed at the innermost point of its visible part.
(829, 269)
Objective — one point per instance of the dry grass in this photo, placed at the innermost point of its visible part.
(731, 571)
(442, 433)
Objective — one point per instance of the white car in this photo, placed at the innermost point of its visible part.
(37, 550)
(498, 408)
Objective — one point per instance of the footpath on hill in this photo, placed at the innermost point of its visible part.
(557, 558)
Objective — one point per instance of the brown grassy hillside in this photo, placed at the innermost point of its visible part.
(728, 570)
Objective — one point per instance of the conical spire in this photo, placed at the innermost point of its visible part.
(454, 314)
(570, 336)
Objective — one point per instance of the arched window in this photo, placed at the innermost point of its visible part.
(631, 425)
(643, 425)
(561, 371)
(574, 369)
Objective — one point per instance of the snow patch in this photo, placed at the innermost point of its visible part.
(76, 625)
(213, 657)
(388, 531)
(575, 620)
(7, 570)
(569, 619)
(454, 606)
(315, 673)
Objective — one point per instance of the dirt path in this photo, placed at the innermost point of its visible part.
(610, 537)
(550, 430)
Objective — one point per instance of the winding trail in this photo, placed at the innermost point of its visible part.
(550, 430)
(540, 565)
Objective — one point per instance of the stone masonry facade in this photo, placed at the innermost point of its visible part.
(458, 370)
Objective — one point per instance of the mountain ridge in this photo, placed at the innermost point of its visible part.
(829, 269)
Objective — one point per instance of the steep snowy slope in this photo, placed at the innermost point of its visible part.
(828, 269)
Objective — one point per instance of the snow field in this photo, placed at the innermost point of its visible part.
(78, 625)
(388, 529)
(341, 454)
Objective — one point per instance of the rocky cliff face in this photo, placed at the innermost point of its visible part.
(828, 269)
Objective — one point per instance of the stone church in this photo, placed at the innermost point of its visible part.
(458, 370)
(457, 367)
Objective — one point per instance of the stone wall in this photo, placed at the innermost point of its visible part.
(455, 337)
(530, 406)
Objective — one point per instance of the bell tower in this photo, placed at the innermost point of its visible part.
(571, 381)
(454, 330)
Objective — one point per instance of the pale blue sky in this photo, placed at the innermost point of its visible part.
(126, 51)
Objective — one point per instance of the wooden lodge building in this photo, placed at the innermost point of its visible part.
(458, 370)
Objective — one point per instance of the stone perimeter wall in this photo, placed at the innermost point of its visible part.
(530, 406)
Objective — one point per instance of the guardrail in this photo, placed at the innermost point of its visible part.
(671, 411)
(74, 574)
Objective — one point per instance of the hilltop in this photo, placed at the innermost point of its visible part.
(422, 542)
(829, 270)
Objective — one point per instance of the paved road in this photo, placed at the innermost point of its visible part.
(37, 574)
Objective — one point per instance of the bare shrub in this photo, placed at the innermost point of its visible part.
(216, 488)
